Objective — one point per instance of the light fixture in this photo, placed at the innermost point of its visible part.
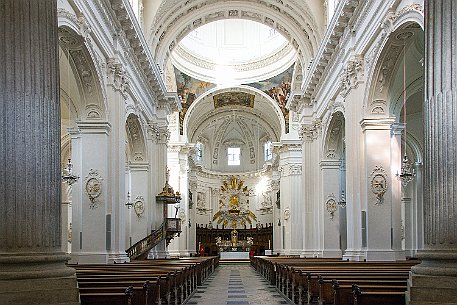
(67, 176)
(129, 204)
(342, 202)
(279, 222)
(407, 173)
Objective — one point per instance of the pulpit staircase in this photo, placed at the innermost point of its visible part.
(169, 228)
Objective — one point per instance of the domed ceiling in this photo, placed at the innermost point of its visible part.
(232, 52)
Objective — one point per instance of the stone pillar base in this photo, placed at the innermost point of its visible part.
(37, 279)
(427, 289)
(434, 280)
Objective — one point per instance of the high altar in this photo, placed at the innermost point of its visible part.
(234, 210)
(234, 248)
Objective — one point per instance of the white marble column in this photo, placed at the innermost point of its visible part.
(32, 264)
(434, 281)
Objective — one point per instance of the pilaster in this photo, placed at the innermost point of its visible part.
(290, 167)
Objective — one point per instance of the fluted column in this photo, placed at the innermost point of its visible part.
(435, 279)
(31, 261)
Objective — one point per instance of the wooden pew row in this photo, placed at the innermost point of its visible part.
(362, 297)
(145, 282)
(306, 281)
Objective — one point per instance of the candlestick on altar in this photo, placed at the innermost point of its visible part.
(269, 245)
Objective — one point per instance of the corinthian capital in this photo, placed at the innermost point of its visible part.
(352, 75)
(117, 77)
(310, 132)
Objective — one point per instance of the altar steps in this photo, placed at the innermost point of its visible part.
(234, 262)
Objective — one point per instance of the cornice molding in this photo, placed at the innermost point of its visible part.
(327, 50)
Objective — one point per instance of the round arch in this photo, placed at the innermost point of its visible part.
(302, 23)
(135, 139)
(92, 104)
(272, 109)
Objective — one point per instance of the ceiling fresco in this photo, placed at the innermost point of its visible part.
(277, 87)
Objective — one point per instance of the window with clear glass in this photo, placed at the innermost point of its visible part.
(268, 151)
(233, 155)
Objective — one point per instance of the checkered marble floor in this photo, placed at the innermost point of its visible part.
(236, 284)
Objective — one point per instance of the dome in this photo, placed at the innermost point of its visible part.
(232, 52)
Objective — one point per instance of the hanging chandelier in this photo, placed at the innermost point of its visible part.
(407, 172)
(67, 176)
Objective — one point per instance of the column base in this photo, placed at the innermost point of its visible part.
(331, 253)
(118, 258)
(385, 255)
(434, 280)
(308, 253)
(354, 255)
(292, 252)
(89, 258)
(37, 279)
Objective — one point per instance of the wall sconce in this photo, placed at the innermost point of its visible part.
(128, 203)
(189, 224)
(279, 222)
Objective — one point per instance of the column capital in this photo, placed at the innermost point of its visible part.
(117, 76)
(158, 133)
(310, 131)
(89, 127)
(352, 75)
(377, 124)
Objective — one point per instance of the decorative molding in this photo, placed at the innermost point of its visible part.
(310, 132)
(275, 14)
(93, 187)
(331, 205)
(378, 183)
(287, 213)
(159, 134)
(352, 75)
(139, 206)
(327, 51)
(117, 77)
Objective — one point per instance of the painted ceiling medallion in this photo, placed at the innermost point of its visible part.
(233, 98)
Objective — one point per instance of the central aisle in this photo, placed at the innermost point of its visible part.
(236, 284)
